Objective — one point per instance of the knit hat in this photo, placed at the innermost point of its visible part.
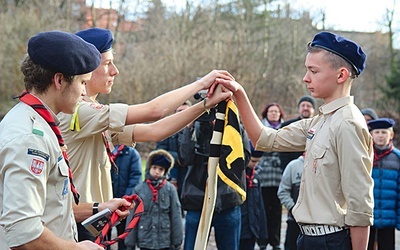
(307, 98)
(101, 38)
(63, 52)
(370, 112)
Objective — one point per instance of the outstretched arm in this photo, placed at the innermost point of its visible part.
(169, 125)
(167, 103)
(248, 116)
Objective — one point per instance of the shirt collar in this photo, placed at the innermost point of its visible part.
(336, 104)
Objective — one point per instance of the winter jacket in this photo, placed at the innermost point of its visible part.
(160, 225)
(129, 173)
(254, 222)
(386, 177)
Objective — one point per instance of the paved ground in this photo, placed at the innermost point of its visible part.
(212, 246)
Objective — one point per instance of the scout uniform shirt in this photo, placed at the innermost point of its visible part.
(83, 135)
(336, 186)
(34, 182)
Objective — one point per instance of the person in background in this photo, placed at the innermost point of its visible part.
(128, 176)
(171, 144)
(160, 225)
(93, 128)
(369, 114)
(254, 222)
(335, 205)
(36, 188)
(306, 107)
(386, 175)
(270, 173)
(288, 192)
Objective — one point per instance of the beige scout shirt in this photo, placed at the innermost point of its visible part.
(86, 148)
(336, 186)
(34, 182)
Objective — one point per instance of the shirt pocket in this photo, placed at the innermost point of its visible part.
(318, 153)
(62, 183)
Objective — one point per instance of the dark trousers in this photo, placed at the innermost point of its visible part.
(84, 234)
(247, 244)
(335, 241)
(273, 212)
(385, 238)
(292, 233)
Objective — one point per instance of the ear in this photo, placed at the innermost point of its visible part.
(343, 75)
(57, 80)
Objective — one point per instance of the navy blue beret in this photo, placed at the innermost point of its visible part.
(343, 47)
(101, 38)
(161, 160)
(63, 52)
(381, 123)
(307, 98)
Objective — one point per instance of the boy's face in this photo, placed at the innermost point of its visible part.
(157, 171)
(382, 137)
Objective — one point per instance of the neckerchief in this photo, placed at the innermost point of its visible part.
(116, 153)
(250, 176)
(155, 186)
(380, 153)
(109, 153)
(38, 106)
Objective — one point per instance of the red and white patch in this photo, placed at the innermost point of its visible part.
(96, 105)
(37, 166)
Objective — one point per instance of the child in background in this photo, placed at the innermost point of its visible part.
(386, 175)
(160, 225)
(254, 222)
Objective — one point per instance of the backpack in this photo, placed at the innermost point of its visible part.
(186, 145)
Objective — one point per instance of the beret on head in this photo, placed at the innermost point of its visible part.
(307, 98)
(343, 47)
(381, 123)
(370, 112)
(101, 38)
(63, 52)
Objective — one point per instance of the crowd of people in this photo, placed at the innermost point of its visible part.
(65, 157)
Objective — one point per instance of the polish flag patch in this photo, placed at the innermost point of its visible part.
(37, 166)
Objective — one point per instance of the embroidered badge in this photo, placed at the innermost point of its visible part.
(39, 153)
(310, 133)
(65, 188)
(96, 106)
(37, 166)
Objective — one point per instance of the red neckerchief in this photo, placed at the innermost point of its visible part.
(153, 189)
(38, 106)
(116, 153)
(109, 153)
(250, 176)
(379, 154)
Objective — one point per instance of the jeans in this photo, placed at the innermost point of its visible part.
(226, 225)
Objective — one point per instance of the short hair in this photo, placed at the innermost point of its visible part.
(37, 77)
(333, 59)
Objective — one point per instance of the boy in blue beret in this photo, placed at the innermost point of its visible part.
(37, 192)
(335, 204)
(386, 175)
(160, 225)
(94, 128)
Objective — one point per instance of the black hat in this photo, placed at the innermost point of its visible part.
(370, 112)
(381, 123)
(63, 52)
(162, 158)
(307, 98)
(101, 38)
(343, 47)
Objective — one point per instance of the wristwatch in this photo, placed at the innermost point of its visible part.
(95, 208)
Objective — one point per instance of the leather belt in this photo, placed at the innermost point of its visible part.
(318, 230)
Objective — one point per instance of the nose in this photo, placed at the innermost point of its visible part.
(114, 70)
(306, 79)
(83, 88)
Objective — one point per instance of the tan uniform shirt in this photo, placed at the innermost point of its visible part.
(336, 186)
(86, 148)
(34, 182)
